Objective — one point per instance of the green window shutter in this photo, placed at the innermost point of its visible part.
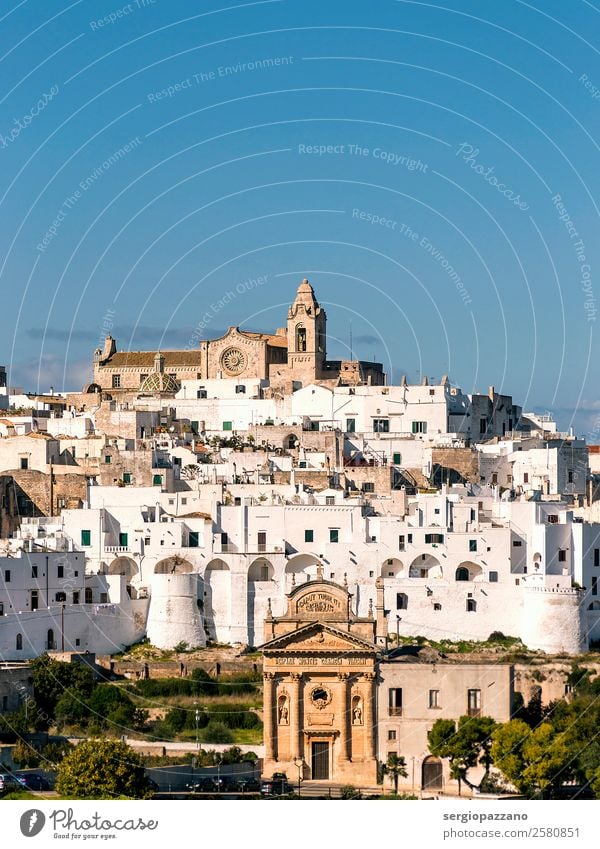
(86, 537)
(309, 536)
(227, 425)
(126, 477)
(397, 458)
(157, 480)
(193, 539)
(123, 540)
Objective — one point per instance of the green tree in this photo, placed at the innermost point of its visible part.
(102, 769)
(13, 725)
(50, 680)
(464, 746)
(536, 761)
(395, 766)
(217, 732)
(25, 755)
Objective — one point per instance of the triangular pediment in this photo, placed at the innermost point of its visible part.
(316, 637)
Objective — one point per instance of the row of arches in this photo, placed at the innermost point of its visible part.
(427, 566)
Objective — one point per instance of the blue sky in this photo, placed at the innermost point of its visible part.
(431, 167)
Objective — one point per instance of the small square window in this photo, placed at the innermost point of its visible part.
(392, 734)
(334, 535)
(116, 381)
(309, 535)
(472, 545)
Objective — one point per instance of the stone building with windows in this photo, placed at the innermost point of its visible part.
(416, 688)
(292, 357)
(319, 687)
(336, 703)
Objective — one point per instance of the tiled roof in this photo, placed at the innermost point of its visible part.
(132, 359)
(269, 338)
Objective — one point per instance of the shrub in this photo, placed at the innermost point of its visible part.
(216, 732)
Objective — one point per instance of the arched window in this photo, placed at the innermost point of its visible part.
(471, 605)
(19, 642)
(300, 338)
(462, 574)
(321, 340)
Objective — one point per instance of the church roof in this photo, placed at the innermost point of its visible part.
(158, 381)
(133, 359)
(269, 338)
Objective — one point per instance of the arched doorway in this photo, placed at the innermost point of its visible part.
(432, 774)
(124, 566)
(301, 568)
(392, 568)
(260, 588)
(425, 566)
(217, 600)
(468, 571)
(172, 566)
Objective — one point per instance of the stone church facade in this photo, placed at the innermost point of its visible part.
(288, 359)
(319, 687)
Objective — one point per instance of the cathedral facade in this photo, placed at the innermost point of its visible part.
(290, 358)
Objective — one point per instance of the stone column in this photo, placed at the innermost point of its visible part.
(345, 719)
(295, 685)
(268, 715)
(369, 709)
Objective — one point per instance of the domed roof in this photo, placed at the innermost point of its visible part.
(158, 381)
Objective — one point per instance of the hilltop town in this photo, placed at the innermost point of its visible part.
(250, 493)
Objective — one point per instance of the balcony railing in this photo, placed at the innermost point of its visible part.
(117, 549)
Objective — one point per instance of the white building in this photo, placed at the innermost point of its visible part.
(48, 602)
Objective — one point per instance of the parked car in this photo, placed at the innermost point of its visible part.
(34, 781)
(248, 785)
(278, 785)
(9, 782)
(203, 785)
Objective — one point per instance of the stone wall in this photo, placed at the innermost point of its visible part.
(458, 463)
(380, 476)
(31, 493)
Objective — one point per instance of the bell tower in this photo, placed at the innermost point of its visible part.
(306, 335)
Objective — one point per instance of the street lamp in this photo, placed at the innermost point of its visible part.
(197, 727)
(300, 764)
(219, 762)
